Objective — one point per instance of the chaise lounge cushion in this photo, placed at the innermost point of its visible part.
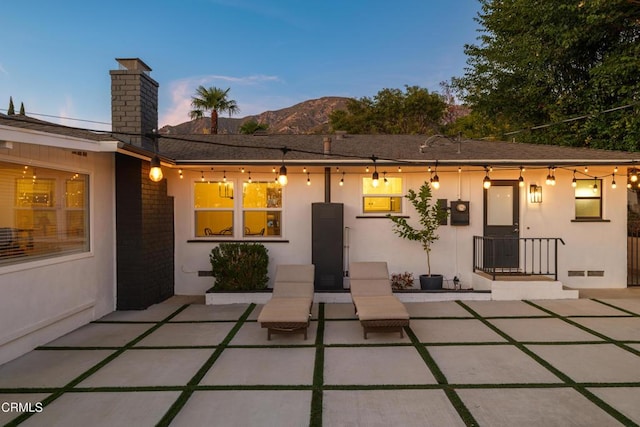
(286, 310)
(380, 308)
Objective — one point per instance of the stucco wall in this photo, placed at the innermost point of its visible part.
(42, 300)
(594, 246)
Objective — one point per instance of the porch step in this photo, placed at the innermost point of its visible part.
(530, 290)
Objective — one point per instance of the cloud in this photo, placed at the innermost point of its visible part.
(181, 91)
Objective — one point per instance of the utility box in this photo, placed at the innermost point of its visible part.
(327, 244)
(459, 213)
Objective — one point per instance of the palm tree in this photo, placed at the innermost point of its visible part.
(214, 99)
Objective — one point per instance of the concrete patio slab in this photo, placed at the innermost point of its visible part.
(7, 414)
(155, 313)
(259, 366)
(251, 333)
(339, 311)
(437, 309)
(165, 367)
(282, 408)
(453, 330)
(49, 368)
(375, 365)
(504, 309)
(616, 328)
(105, 409)
(200, 312)
(632, 305)
(187, 334)
(553, 407)
(102, 335)
(489, 364)
(591, 362)
(624, 399)
(579, 307)
(408, 408)
(542, 330)
(351, 332)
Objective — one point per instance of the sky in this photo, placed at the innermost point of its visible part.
(55, 55)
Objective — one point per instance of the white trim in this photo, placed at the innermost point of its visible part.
(46, 322)
(30, 136)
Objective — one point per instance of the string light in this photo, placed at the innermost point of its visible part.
(202, 176)
(574, 181)
(613, 182)
(308, 178)
(521, 179)
(180, 173)
(342, 180)
(375, 177)
(250, 180)
(486, 182)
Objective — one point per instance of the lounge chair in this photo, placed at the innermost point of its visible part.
(289, 309)
(376, 307)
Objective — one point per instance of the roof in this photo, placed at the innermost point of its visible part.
(358, 149)
(26, 122)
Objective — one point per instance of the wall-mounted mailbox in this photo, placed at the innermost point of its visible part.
(459, 212)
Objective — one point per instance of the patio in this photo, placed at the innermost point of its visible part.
(487, 363)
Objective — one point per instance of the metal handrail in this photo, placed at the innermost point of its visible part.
(537, 256)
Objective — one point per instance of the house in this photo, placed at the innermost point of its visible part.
(84, 231)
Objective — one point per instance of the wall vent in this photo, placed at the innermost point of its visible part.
(595, 273)
(576, 273)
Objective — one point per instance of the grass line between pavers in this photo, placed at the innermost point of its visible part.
(315, 413)
(70, 385)
(195, 380)
(606, 338)
(612, 305)
(561, 375)
(441, 379)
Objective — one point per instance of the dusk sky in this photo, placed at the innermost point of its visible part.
(55, 56)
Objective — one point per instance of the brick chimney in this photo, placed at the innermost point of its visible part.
(134, 102)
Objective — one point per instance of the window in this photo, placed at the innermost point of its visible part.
(384, 198)
(258, 208)
(588, 193)
(43, 213)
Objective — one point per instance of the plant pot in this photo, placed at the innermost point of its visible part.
(430, 282)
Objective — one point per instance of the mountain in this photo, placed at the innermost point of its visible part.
(307, 117)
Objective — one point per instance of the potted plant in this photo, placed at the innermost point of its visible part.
(430, 218)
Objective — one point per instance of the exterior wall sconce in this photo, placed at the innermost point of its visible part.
(535, 194)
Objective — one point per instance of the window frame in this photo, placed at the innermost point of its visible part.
(58, 241)
(599, 197)
(390, 196)
(239, 232)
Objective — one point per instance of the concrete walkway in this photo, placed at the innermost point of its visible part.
(488, 363)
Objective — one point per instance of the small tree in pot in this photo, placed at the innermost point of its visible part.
(430, 217)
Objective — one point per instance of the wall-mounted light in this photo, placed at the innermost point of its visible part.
(535, 193)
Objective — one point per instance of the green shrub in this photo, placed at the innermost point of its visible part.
(239, 266)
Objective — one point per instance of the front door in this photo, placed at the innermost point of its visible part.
(501, 219)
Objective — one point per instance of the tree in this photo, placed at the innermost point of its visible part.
(11, 110)
(212, 99)
(540, 62)
(392, 111)
(250, 127)
(22, 112)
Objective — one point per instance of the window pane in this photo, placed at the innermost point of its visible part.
(382, 204)
(500, 205)
(584, 188)
(214, 223)
(261, 195)
(262, 223)
(35, 221)
(587, 208)
(392, 186)
(213, 195)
